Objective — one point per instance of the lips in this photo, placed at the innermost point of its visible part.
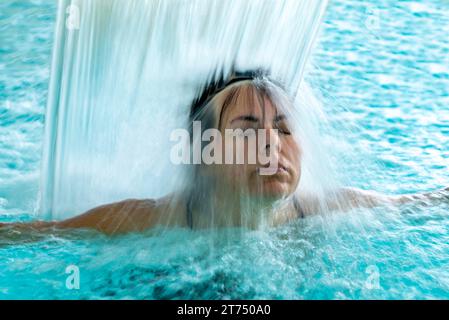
(281, 170)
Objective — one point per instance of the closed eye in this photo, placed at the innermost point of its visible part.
(246, 118)
(284, 131)
(281, 125)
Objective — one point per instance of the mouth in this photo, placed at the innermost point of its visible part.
(280, 170)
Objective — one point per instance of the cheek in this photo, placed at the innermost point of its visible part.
(234, 168)
(293, 153)
(297, 160)
(242, 152)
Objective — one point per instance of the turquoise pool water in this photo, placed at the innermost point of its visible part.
(382, 68)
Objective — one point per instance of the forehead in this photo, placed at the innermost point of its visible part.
(244, 98)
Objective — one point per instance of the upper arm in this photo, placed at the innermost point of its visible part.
(119, 217)
(354, 198)
(343, 199)
(347, 198)
(431, 197)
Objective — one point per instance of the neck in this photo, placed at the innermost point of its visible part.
(214, 206)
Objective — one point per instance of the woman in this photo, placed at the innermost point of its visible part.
(221, 195)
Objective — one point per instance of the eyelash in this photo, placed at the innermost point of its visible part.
(281, 131)
(286, 132)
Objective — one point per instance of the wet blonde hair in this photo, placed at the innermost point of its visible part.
(259, 87)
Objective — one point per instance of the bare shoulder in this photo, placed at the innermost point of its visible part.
(341, 199)
(171, 209)
(331, 199)
(309, 204)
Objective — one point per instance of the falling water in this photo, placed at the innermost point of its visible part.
(124, 73)
(385, 92)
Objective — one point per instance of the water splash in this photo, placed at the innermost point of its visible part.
(123, 73)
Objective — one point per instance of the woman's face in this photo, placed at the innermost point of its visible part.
(284, 151)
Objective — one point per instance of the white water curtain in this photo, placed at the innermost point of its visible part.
(123, 75)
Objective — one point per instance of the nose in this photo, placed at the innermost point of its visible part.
(272, 143)
(272, 139)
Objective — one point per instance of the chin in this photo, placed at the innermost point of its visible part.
(272, 190)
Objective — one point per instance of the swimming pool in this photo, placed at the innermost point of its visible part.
(382, 68)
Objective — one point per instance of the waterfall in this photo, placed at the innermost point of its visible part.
(122, 77)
